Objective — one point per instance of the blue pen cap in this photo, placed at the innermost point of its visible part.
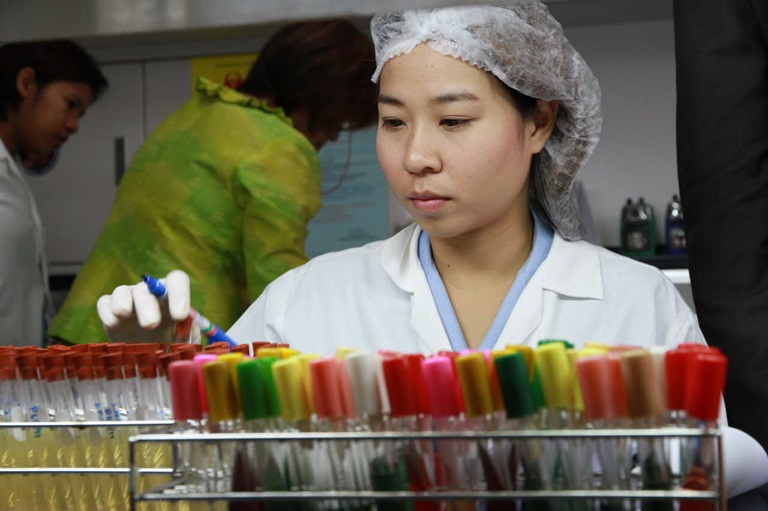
(155, 286)
(218, 335)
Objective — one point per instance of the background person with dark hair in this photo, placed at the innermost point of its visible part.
(225, 186)
(45, 88)
(722, 150)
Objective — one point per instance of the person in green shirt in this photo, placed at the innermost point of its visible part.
(225, 186)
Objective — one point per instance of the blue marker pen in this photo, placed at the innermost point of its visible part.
(209, 329)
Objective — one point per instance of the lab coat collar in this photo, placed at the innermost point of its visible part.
(399, 256)
(571, 269)
(14, 165)
(4, 154)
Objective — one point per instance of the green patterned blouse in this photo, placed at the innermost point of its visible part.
(223, 190)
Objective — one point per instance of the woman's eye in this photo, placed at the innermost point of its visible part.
(72, 103)
(454, 123)
(391, 123)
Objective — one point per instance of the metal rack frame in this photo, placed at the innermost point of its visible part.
(716, 495)
(81, 425)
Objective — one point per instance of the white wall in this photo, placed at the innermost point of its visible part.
(635, 65)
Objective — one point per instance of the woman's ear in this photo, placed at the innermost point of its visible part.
(544, 123)
(26, 82)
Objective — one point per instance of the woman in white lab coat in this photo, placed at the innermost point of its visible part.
(485, 117)
(486, 114)
(45, 87)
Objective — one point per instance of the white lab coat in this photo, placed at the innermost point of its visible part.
(377, 296)
(25, 303)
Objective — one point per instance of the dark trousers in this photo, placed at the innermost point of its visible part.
(721, 51)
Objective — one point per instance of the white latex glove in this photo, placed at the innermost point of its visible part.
(133, 314)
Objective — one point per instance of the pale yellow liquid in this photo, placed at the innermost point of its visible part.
(55, 489)
(98, 452)
(82, 487)
(116, 456)
(35, 491)
(9, 491)
(63, 439)
(158, 455)
(24, 450)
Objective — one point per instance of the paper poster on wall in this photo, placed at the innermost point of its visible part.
(229, 70)
(354, 210)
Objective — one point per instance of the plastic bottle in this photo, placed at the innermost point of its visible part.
(675, 227)
(638, 229)
(626, 213)
(650, 225)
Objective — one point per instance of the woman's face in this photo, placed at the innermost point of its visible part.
(47, 116)
(453, 147)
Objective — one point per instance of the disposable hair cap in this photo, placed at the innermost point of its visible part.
(523, 46)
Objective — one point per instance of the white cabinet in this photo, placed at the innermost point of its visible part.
(75, 198)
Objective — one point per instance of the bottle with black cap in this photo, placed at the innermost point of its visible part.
(675, 227)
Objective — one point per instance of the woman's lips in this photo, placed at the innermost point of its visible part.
(428, 202)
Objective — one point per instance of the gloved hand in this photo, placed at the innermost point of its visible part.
(133, 314)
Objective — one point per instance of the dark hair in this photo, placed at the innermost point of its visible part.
(324, 66)
(526, 106)
(52, 61)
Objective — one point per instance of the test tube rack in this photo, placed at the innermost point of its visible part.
(161, 434)
(28, 439)
(634, 497)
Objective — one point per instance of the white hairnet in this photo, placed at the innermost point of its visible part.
(523, 46)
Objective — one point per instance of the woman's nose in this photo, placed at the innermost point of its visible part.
(421, 155)
(73, 123)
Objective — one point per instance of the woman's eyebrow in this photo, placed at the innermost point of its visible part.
(442, 99)
(388, 100)
(453, 97)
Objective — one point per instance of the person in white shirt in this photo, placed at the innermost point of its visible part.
(45, 88)
(486, 114)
